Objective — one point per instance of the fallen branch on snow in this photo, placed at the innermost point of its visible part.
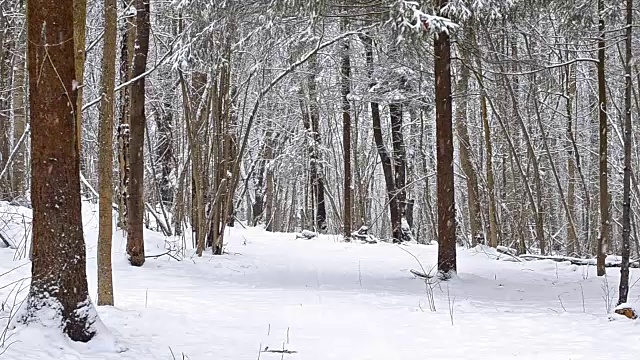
(577, 261)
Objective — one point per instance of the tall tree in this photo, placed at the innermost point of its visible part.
(398, 223)
(18, 177)
(573, 247)
(444, 149)
(603, 240)
(626, 197)
(105, 229)
(465, 151)
(124, 167)
(164, 152)
(135, 201)
(5, 124)
(383, 153)
(59, 281)
(311, 119)
(79, 38)
(345, 76)
(400, 232)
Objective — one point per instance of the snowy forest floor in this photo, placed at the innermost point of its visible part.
(324, 299)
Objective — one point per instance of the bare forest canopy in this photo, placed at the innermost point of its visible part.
(501, 122)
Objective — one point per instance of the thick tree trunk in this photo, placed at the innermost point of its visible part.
(59, 280)
(135, 202)
(124, 167)
(444, 149)
(345, 77)
(603, 240)
(105, 229)
(626, 200)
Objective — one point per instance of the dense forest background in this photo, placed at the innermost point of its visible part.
(267, 111)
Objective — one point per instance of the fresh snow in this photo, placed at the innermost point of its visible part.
(325, 299)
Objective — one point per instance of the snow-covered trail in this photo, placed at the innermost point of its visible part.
(325, 299)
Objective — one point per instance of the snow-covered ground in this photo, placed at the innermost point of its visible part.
(324, 299)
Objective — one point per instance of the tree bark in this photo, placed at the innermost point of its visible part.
(126, 59)
(345, 76)
(444, 148)
(135, 202)
(5, 126)
(19, 170)
(58, 274)
(400, 233)
(573, 247)
(626, 197)
(105, 229)
(603, 240)
(79, 38)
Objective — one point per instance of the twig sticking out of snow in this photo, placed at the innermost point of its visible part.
(6, 242)
(173, 356)
(428, 279)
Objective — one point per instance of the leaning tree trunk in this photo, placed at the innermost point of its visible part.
(603, 240)
(626, 201)
(385, 159)
(58, 274)
(135, 202)
(105, 229)
(444, 149)
(537, 207)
